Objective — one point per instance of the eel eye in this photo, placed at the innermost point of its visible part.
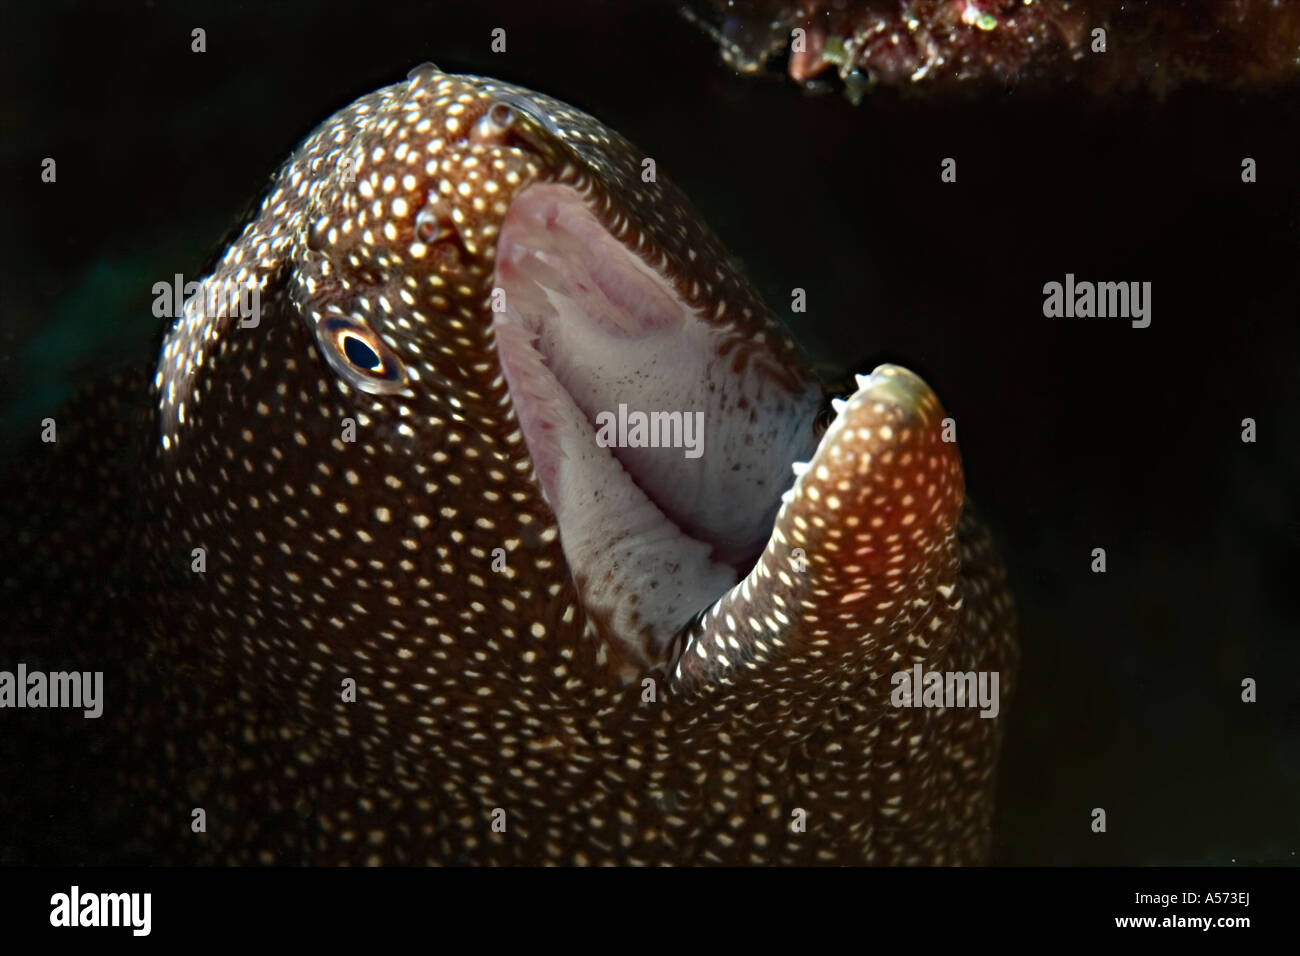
(359, 357)
(360, 354)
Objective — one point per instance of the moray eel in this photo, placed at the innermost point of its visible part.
(368, 587)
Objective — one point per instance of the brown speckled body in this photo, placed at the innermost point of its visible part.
(495, 718)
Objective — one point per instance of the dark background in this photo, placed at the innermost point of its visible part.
(1076, 433)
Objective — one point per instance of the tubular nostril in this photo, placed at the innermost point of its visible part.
(522, 106)
(423, 70)
(431, 223)
(494, 124)
(501, 116)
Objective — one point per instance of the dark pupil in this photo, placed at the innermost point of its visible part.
(360, 354)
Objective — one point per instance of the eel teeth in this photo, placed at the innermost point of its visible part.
(799, 467)
(839, 404)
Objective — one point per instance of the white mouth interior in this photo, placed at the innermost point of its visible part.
(651, 534)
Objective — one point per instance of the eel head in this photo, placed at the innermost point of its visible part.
(512, 436)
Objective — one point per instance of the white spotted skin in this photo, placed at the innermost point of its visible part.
(482, 690)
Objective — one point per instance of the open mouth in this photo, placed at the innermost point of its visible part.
(663, 461)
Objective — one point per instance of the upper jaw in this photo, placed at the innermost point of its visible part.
(527, 242)
(602, 354)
